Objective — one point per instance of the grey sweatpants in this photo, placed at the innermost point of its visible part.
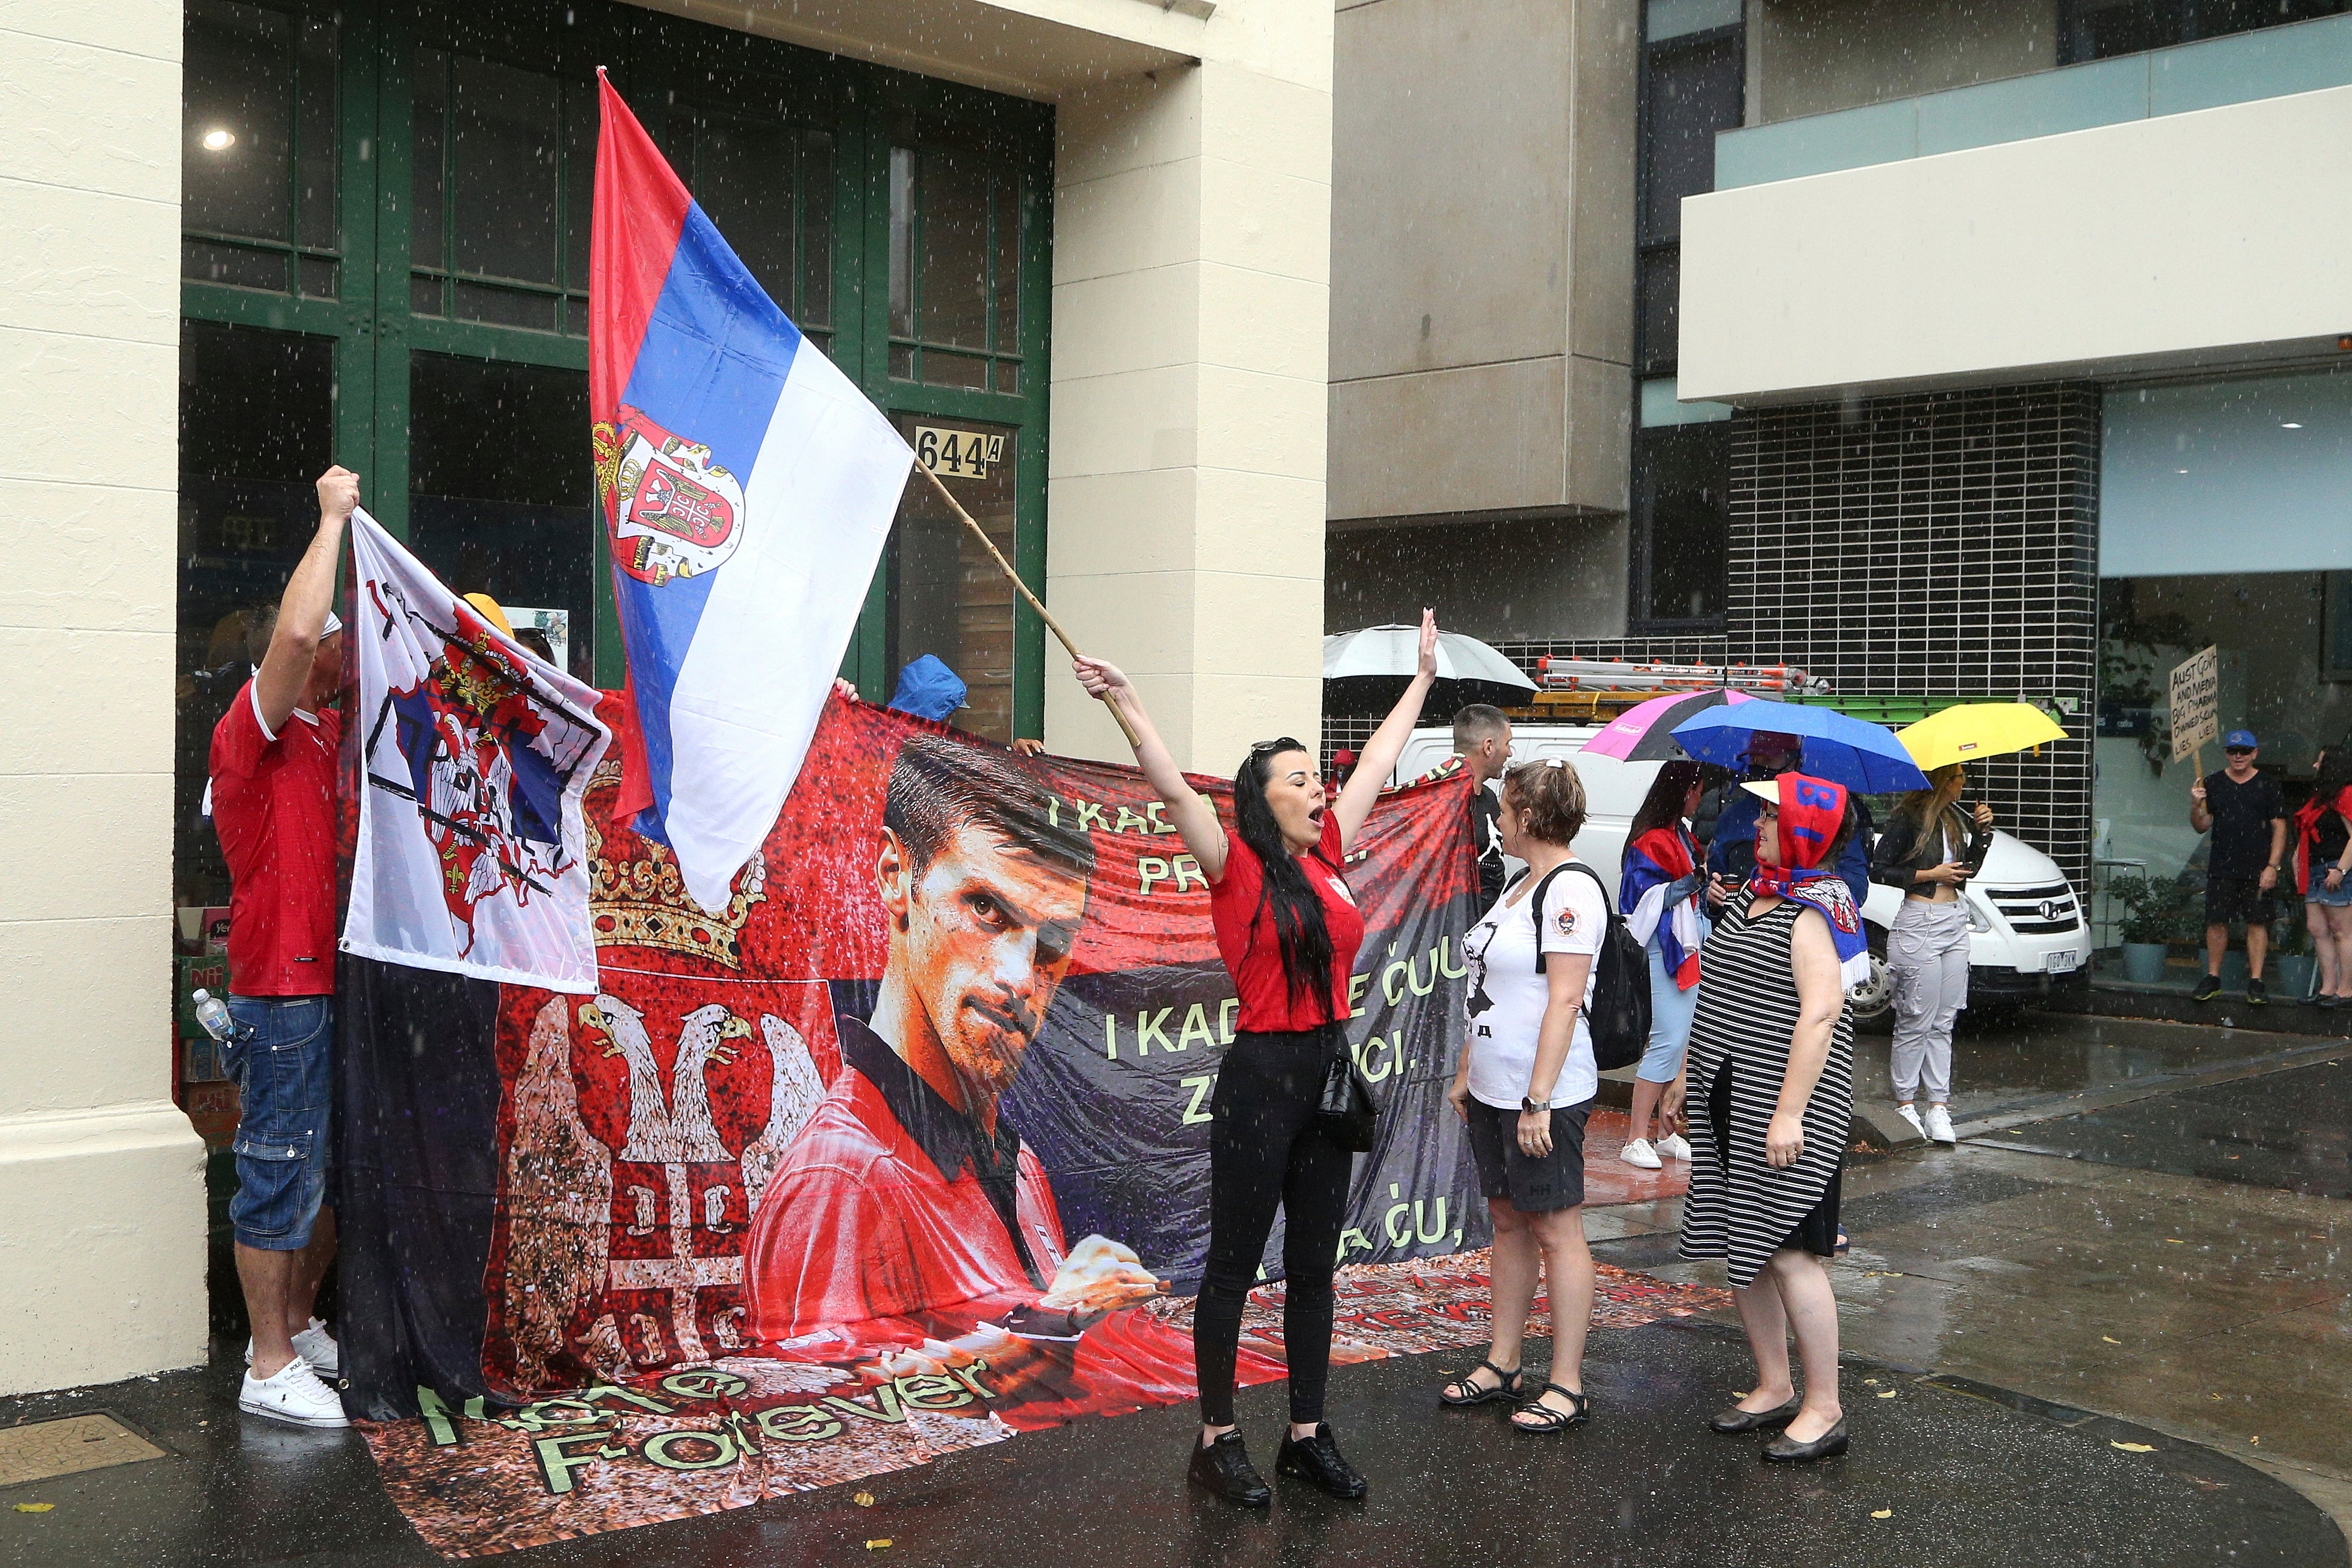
(1928, 959)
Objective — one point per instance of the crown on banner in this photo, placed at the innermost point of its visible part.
(644, 903)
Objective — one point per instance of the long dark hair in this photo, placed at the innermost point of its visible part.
(2335, 772)
(1299, 931)
(1662, 806)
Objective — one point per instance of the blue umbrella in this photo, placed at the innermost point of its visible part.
(1843, 749)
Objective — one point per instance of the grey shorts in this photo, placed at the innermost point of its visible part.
(1531, 1184)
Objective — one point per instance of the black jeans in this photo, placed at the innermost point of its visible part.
(1264, 1150)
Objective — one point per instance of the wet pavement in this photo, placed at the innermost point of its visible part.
(1941, 1470)
(2291, 1130)
(2091, 1248)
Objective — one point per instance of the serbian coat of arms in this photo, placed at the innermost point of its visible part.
(671, 510)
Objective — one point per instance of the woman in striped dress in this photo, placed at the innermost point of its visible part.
(1768, 1092)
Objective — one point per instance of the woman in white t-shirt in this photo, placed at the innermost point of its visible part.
(1525, 1085)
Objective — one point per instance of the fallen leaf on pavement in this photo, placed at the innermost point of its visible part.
(35, 1507)
(863, 1500)
(1886, 1394)
(2173, 1241)
(2111, 1339)
(2132, 1448)
(1882, 1513)
(2254, 1439)
(878, 1545)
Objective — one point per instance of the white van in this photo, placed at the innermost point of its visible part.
(2025, 922)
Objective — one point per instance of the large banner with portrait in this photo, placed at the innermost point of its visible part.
(903, 1152)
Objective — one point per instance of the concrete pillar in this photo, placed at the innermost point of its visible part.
(101, 1179)
(1191, 267)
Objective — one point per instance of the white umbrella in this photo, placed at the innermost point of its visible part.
(1396, 651)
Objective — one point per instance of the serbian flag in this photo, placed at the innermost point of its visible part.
(1655, 862)
(747, 487)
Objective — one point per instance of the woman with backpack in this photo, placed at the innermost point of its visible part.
(1287, 929)
(1770, 1086)
(1525, 1086)
(1661, 888)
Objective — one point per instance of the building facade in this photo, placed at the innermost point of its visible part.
(1085, 241)
(1987, 352)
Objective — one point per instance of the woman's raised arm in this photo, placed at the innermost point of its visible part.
(1381, 753)
(1195, 819)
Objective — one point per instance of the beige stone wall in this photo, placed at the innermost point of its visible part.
(1482, 257)
(1810, 57)
(101, 1186)
(1191, 292)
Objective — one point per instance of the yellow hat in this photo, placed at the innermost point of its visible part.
(491, 612)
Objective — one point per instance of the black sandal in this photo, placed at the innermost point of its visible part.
(1549, 1420)
(1506, 1389)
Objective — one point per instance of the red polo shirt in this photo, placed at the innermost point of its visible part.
(892, 1202)
(274, 808)
(1246, 938)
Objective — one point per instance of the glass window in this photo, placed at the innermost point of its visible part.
(944, 596)
(259, 150)
(1657, 308)
(500, 180)
(1696, 90)
(1682, 517)
(2102, 29)
(955, 268)
(500, 487)
(256, 431)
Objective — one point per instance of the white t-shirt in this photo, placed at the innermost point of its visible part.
(1507, 998)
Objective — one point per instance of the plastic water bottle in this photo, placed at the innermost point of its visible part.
(212, 1013)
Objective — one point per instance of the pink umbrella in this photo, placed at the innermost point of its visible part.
(1643, 732)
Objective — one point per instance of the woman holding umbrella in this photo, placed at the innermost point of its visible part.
(1931, 846)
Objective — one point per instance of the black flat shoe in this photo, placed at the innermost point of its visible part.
(1223, 1468)
(1786, 1451)
(1735, 1420)
(1317, 1461)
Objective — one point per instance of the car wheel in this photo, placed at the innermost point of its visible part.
(1872, 1001)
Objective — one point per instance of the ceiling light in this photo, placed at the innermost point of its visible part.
(2290, 424)
(2180, 470)
(219, 140)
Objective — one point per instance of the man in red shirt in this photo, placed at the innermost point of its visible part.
(273, 804)
(905, 1196)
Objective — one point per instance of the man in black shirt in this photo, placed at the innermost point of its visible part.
(2247, 816)
(1482, 736)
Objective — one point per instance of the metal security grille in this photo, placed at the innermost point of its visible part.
(1941, 544)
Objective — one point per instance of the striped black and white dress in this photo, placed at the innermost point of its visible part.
(1739, 1208)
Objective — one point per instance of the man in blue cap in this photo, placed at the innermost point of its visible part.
(2246, 814)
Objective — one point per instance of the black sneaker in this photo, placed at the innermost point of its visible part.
(1223, 1468)
(2257, 994)
(1317, 1461)
(2207, 989)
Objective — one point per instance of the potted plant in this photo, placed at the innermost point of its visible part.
(2155, 914)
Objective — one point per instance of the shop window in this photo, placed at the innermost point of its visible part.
(1682, 524)
(255, 431)
(955, 268)
(2275, 633)
(259, 150)
(501, 490)
(944, 596)
(501, 177)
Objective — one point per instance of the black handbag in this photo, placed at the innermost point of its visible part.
(1344, 1111)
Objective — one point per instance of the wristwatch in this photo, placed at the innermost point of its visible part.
(1532, 1106)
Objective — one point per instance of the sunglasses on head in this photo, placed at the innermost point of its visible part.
(1279, 743)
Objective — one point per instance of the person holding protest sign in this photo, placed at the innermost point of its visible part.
(2246, 813)
(272, 768)
(1287, 929)
(1525, 1087)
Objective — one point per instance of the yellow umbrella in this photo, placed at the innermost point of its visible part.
(1972, 731)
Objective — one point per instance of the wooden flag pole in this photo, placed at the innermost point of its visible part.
(1015, 578)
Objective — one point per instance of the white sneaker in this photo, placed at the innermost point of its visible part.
(1675, 1147)
(1640, 1156)
(315, 1346)
(295, 1396)
(1911, 1115)
(1940, 1124)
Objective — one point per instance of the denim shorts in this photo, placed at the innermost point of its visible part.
(2340, 899)
(282, 1062)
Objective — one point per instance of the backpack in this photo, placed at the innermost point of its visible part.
(1619, 1014)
